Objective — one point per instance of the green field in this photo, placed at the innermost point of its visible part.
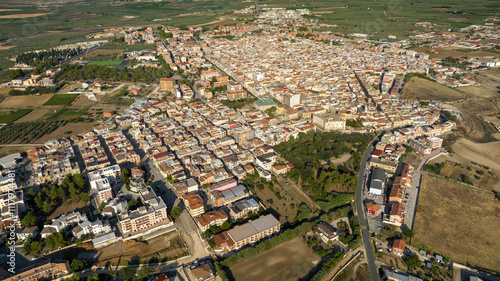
(7, 116)
(61, 99)
(107, 62)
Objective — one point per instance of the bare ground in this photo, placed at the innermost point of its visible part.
(25, 101)
(167, 245)
(458, 222)
(289, 261)
(422, 89)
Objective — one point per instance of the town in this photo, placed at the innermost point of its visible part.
(191, 167)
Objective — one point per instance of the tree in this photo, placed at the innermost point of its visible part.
(29, 220)
(77, 265)
(412, 261)
(409, 233)
(225, 226)
(145, 272)
(132, 204)
(36, 247)
(127, 273)
(55, 240)
(176, 212)
(101, 207)
(84, 197)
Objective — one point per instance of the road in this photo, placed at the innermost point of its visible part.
(362, 216)
(414, 190)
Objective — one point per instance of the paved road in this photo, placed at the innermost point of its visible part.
(362, 217)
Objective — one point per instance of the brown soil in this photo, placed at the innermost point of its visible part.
(458, 222)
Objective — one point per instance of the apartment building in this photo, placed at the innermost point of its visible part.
(194, 204)
(153, 213)
(248, 233)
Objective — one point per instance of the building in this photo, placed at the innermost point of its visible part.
(42, 270)
(377, 183)
(398, 247)
(396, 275)
(167, 84)
(326, 232)
(389, 166)
(194, 204)
(211, 218)
(151, 215)
(291, 99)
(10, 161)
(105, 240)
(241, 208)
(203, 272)
(328, 122)
(264, 104)
(248, 233)
(373, 209)
(228, 196)
(396, 214)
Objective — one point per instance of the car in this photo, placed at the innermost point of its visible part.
(407, 194)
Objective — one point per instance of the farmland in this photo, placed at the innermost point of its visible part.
(107, 62)
(422, 89)
(27, 132)
(11, 116)
(289, 261)
(451, 218)
(61, 99)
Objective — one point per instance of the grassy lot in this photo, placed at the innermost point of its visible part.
(61, 99)
(289, 261)
(458, 222)
(107, 62)
(11, 116)
(349, 272)
(479, 175)
(281, 206)
(423, 89)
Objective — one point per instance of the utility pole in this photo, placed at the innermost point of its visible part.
(256, 9)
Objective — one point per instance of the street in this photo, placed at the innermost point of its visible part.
(362, 216)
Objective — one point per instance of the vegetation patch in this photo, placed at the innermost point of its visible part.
(61, 99)
(26, 132)
(9, 116)
(107, 62)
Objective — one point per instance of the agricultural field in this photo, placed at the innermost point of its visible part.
(61, 99)
(35, 114)
(7, 116)
(292, 260)
(66, 131)
(423, 89)
(440, 53)
(25, 101)
(117, 100)
(451, 218)
(27, 132)
(107, 62)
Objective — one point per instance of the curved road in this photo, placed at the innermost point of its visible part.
(362, 216)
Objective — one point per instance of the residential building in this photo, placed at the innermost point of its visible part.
(326, 232)
(211, 218)
(194, 204)
(248, 233)
(44, 270)
(398, 247)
